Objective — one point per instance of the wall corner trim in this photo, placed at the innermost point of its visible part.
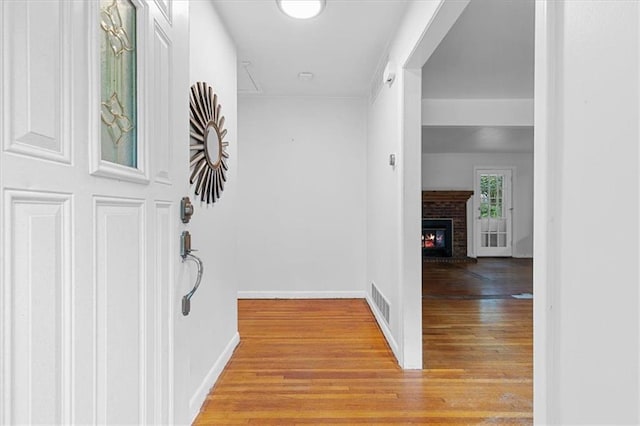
(198, 398)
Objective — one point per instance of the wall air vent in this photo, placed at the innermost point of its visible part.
(381, 302)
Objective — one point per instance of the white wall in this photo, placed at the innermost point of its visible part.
(587, 161)
(456, 171)
(383, 198)
(302, 197)
(391, 238)
(212, 324)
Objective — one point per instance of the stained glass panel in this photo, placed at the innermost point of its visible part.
(118, 138)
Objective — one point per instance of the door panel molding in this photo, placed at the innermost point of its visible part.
(160, 127)
(119, 341)
(37, 349)
(160, 313)
(38, 123)
(165, 6)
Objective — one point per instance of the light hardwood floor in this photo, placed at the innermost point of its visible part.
(326, 361)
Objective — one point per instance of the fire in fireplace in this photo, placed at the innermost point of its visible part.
(437, 237)
(434, 238)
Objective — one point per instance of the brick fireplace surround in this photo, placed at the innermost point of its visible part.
(449, 205)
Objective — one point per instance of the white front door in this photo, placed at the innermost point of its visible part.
(88, 231)
(493, 212)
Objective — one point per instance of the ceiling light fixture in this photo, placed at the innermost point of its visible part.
(301, 9)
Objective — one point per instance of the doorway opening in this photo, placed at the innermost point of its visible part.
(477, 136)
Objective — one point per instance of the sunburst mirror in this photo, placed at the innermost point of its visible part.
(208, 147)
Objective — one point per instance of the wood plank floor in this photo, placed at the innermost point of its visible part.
(490, 278)
(326, 361)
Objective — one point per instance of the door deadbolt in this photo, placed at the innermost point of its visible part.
(186, 209)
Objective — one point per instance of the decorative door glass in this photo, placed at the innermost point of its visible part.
(118, 69)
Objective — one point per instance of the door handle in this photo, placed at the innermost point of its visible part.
(186, 299)
(185, 253)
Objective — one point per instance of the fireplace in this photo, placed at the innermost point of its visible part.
(452, 205)
(437, 237)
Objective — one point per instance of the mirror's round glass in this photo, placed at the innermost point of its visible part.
(212, 146)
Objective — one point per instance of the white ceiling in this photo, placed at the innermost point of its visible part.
(488, 53)
(476, 139)
(341, 46)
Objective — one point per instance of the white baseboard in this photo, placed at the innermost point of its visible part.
(198, 398)
(301, 294)
(385, 329)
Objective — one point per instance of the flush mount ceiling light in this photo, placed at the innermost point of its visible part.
(301, 9)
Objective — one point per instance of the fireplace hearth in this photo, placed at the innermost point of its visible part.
(437, 237)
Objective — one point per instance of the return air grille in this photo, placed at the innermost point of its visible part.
(381, 303)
